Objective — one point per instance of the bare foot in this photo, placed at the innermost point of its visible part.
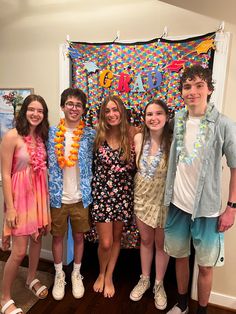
(109, 289)
(99, 284)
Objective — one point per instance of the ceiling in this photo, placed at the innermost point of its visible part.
(217, 9)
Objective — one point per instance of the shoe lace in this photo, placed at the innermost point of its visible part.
(60, 281)
(159, 291)
(78, 278)
(141, 285)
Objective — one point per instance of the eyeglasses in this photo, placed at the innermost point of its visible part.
(72, 105)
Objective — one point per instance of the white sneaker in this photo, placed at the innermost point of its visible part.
(160, 296)
(77, 285)
(177, 310)
(58, 290)
(139, 290)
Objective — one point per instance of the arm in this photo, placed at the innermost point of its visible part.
(226, 219)
(137, 144)
(8, 146)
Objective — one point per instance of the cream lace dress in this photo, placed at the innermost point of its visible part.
(149, 195)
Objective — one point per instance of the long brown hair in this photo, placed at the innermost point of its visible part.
(22, 124)
(166, 134)
(103, 127)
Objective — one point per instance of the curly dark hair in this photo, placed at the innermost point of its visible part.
(73, 92)
(22, 124)
(197, 70)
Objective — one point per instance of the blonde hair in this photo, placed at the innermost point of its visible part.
(103, 127)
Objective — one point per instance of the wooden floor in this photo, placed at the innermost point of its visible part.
(125, 277)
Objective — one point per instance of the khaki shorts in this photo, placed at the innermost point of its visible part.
(79, 219)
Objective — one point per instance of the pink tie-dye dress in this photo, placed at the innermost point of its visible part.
(30, 195)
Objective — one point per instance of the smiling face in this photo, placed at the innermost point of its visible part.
(195, 93)
(155, 117)
(112, 114)
(73, 111)
(34, 113)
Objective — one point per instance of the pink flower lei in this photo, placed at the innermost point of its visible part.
(36, 152)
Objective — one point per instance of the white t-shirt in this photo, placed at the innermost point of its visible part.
(71, 179)
(187, 175)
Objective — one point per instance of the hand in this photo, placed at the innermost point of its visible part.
(226, 219)
(11, 218)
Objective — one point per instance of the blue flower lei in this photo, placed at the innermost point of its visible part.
(200, 139)
(148, 169)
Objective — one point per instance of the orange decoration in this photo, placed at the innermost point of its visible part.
(59, 146)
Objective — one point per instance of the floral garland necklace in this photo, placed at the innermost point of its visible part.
(36, 152)
(148, 169)
(60, 147)
(184, 156)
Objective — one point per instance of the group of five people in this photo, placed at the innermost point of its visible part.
(166, 174)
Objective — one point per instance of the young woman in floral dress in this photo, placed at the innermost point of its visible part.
(152, 150)
(112, 187)
(26, 212)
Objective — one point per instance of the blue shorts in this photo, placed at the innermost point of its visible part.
(207, 241)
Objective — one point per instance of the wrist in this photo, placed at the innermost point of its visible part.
(231, 204)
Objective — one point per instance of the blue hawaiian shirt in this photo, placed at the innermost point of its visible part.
(85, 168)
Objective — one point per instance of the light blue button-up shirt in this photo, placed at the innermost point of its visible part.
(220, 141)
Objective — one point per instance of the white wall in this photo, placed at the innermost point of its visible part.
(30, 34)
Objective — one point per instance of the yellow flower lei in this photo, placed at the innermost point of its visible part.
(59, 146)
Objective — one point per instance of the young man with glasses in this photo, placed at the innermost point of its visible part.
(70, 152)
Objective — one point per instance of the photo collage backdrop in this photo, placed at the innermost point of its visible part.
(137, 72)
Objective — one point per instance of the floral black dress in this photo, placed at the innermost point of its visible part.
(112, 185)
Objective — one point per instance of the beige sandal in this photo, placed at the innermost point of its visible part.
(7, 305)
(39, 290)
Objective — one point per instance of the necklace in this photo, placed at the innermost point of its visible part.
(184, 156)
(148, 169)
(36, 152)
(60, 147)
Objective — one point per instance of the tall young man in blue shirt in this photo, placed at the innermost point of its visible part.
(193, 187)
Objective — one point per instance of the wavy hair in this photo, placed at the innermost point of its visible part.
(22, 124)
(103, 128)
(191, 72)
(166, 134)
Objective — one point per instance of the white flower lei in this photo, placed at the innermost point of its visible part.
(148, 169)
(200, 139)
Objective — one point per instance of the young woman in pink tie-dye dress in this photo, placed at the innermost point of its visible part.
(26, 212)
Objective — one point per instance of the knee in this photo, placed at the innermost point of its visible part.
(18, 255)
(56, 240)
(105, 244)
(78, 237)
(147, 242)
(205, 271)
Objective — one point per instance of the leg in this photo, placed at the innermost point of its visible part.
(78, 247)
(146, 254)
(161, 258)
(161, 262)
(109, 289)
(19, 246)
(34, 254)
(76, 278)
(105, 233)
(146, 248)
(57, 249)
(204, 284)
(182, 274)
